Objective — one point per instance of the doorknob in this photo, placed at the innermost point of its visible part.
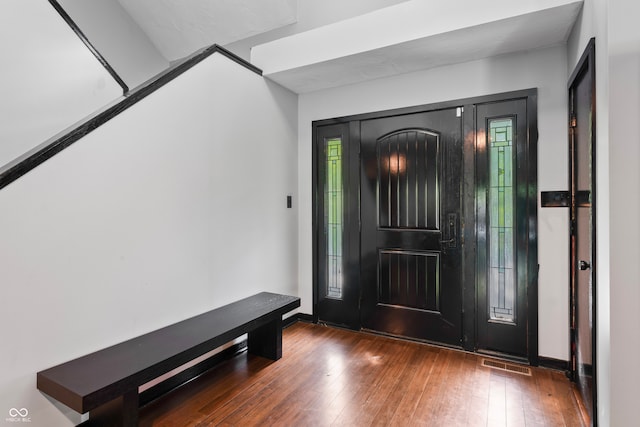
(584, 265)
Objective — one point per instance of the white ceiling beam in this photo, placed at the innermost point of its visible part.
(414, 35)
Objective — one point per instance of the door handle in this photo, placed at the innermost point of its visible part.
(452, 220)
(584, 265)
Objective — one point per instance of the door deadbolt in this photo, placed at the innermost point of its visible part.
(584, 265)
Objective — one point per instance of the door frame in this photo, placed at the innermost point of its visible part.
(586, 66)
(469, 208)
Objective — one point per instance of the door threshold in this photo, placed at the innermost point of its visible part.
(405, 338)
(496, 356)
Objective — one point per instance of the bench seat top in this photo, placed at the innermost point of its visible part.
(92, 380)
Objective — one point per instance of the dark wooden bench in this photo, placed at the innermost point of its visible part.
(105, 383)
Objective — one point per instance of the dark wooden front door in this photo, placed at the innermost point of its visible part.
(410, 259)
(403, 213)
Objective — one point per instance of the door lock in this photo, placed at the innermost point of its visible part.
(584, 265)
(452, 220)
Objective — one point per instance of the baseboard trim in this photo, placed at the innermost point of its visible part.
(298, 317)
(551, 363)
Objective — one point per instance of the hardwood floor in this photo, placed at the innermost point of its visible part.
(333, 377)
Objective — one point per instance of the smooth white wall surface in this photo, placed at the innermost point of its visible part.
(50, 80)
(624, 207)
(542, 69)
(583, 30)
(175, 207)
(118, 38)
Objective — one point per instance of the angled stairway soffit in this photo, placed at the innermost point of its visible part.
(391, 41)
(178, 28)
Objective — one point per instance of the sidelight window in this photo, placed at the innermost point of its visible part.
(334, 216)
(502, 277)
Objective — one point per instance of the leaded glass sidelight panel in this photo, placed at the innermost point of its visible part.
(334, 216)
(502, 277)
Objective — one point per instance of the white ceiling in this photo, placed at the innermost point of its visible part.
(179, 28)
(405, 37)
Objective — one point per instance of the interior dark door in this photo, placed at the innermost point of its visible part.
(582, 179)
(506, 214)
(411, 267)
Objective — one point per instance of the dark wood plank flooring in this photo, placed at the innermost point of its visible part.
(333, 377)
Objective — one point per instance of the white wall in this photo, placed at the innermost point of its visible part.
(118, 38)
(623, 126)
(544, 69)
(173, 208)
(624, 181)
(50, 80)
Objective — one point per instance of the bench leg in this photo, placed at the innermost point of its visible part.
(266, 341)
(121, 411)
